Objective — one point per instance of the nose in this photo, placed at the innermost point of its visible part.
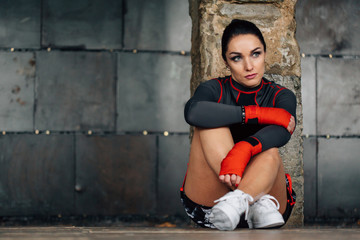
(248, 64)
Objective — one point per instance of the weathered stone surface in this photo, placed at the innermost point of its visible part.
(17, 91)
(277, 22)
(254, 1)
(292, 152)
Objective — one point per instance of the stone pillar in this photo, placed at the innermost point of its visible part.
(276, 20)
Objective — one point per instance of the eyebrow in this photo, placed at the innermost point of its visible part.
(238, 53)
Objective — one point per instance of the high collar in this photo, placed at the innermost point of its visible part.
(240, 88)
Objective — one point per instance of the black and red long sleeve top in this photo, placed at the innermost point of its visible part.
(217, 103)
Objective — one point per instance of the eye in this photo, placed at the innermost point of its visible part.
(236, 58)
(256, 54)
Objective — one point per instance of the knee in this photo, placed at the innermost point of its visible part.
(272, 156)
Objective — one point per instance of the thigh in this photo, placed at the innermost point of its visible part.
(208, 148)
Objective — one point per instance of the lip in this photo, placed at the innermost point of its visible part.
(251, 76)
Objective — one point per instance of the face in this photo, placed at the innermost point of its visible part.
(245, 57)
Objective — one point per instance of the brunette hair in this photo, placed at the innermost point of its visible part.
(239, 27)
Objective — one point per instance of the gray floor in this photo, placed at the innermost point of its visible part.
(86, 233)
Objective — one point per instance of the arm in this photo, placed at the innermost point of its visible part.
(203, 110)
(268, 137)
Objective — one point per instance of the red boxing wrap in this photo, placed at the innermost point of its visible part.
(267, 115)
(239, 156)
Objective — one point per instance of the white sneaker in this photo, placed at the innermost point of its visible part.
(264, 213)
(225, 215)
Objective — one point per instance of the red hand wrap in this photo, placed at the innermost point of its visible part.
(239, 156)
(267, 115)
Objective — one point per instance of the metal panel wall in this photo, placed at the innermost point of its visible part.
(157, 25)
(17, 91)
(36, 175)
(152, 91)
(328, 35)
(75, 91)
(89, 24)
(75, 102)
(20, 24)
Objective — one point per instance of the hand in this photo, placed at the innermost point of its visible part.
(231, 181)
(291, 126)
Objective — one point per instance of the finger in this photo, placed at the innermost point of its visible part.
(222, 178)
(227, 180)
(238, 179)
(233, 179)
(291, 125)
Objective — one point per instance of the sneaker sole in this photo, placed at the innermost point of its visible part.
(274, 222)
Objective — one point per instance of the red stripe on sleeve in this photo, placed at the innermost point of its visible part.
(276, 95)
(220, 90)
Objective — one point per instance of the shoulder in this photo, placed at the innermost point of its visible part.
(215, 84)
(277, 88)
(279, 92)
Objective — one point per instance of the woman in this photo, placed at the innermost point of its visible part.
(235, 175)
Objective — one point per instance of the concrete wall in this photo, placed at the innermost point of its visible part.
(328, 35)
(91, 107)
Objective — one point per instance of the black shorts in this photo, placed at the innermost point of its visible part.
(197, 212)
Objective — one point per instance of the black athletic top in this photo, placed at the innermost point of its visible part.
(217, 103)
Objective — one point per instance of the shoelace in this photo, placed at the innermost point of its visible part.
(241, 195)
(263, 201)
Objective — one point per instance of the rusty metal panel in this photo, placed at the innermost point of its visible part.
(173, 157)
(20, 23)
(36, 175)
(308, 94)
(17, 91)
(157, 25)
(115, 174)
(152, 91)
(75, 91)
(338, 178)
(329, 26)
(89, 24)
(338, 98)
(310, 177)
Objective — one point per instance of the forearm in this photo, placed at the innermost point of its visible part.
(207, 114)
(239, 156)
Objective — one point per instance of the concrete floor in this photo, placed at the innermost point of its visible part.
(107, 233)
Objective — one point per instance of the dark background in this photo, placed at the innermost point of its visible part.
(91, 107)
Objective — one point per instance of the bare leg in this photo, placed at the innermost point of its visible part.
(208, 149)
(264, 174)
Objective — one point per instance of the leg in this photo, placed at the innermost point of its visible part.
(209, 147)
(270, 181)
(264, 174)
